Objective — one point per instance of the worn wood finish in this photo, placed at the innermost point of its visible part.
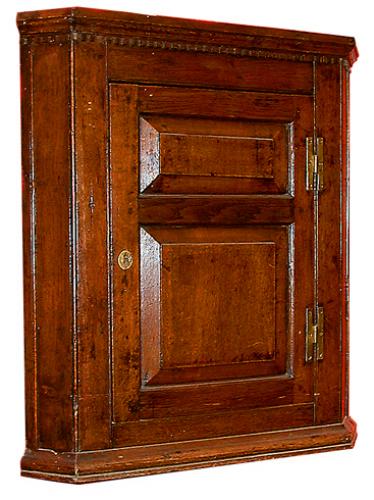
(223, 210)
(181, 272)
(264, 75)
(333, 238)
(344, 235)
(91, 173)
(134, 461)
(180, 268)
(182, 142)
(28, 194)
(187, 34)
(220, 423)
(51, 250)
(208, 156)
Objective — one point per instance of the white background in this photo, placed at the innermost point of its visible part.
(343, 474)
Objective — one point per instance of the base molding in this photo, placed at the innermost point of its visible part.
(101, 465)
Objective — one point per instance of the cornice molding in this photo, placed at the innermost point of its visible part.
(60, 26)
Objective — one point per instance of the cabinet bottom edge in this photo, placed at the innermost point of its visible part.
(102, 465)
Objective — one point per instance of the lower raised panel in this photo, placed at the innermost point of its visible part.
(214, 303)
(86, 467)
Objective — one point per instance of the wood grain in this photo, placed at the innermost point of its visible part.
(93, 317)
(183, 143)
(331, 224)
(53, 246)
(184, 390)
(207, 71)
(116, 464)
(222, 210)
(189, 35)
(184, 155)
(182, 265)
(28, 222)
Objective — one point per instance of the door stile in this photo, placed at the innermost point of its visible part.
(125, 278)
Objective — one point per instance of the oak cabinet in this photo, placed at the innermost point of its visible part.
(185, 206)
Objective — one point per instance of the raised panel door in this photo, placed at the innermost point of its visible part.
(208, 194)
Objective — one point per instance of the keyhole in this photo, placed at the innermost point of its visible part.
(125, 259)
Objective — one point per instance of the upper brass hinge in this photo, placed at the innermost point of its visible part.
(314, 164)
(314, 334)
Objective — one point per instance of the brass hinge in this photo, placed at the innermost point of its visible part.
(314, 335)
(314, 164)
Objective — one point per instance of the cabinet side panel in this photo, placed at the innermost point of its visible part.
(344, 124)
(51, 214)
(26, 55)
(93, 320)
(328, 371)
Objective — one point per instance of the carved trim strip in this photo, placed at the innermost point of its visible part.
(137, 42)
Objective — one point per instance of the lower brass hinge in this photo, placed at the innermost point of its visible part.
(314, 164)
(314, 335)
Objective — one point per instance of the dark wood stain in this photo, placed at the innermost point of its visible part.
(182, 142)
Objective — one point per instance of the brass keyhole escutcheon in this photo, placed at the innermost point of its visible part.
(125, 259)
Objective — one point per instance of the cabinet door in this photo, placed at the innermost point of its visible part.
(208, 197)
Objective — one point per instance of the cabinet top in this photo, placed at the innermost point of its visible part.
(126, 28)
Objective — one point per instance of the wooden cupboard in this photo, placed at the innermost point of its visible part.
(185, 198)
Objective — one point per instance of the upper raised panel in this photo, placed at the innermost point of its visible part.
(185, 154)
